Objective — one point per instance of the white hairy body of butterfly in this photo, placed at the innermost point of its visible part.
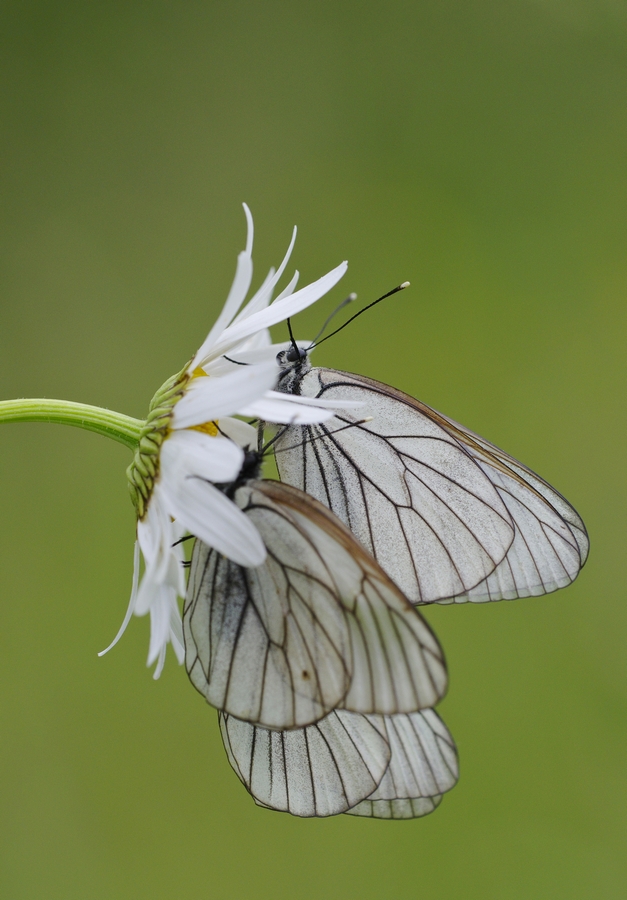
(388, 767)
(449, 516)
(316, 627)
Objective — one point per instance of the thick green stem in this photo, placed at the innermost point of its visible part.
(111, 424)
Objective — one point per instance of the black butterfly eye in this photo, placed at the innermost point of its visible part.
(294, 354)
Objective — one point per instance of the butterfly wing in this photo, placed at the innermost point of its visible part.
(396, 809)
(550, 543)
(321, 770)
(447, 514)
(422, 767)
(316, 626)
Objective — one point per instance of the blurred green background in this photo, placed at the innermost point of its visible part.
(477, 149)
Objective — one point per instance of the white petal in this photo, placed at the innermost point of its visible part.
(131, 603)
(257, 349)
(207, 399)
(242, 433)
(213, 458)
(278, 311)
(209, 515)
(315, 401)
(237, 294)
(287, 291)
(273, 409)
(263, 295)
(159, 624)
(155, 536)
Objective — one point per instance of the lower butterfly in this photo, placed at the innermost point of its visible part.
(315, 660)
(449, 516)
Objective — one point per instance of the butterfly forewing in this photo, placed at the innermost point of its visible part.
(321, 770)
(260, 643)
(397, 662)
(550, 544)
(445, 513)
(318, 625)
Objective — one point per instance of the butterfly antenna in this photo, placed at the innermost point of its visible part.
(292, 338)
(350, 299)
(400, 287)
(264, 450)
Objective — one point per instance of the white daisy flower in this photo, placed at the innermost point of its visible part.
(190, 442)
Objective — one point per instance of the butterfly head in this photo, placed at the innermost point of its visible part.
(293, 364)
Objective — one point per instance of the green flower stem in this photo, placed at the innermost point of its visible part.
(111, 424)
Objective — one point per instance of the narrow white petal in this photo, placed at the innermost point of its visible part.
(315, 401)
(278, 311)
(160, 663)
(176, 633)
(250, 229)
(209, 515)
(194, 453)
(159, 625)
(263, 295)
(272, 409)
(287, 291)
(131, 603)
(207, 399)
(156, 536)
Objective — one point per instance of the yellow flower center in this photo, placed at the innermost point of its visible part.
(210, 428)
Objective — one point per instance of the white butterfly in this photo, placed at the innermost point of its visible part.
(318, 626)
(449, 516)
(388, 767)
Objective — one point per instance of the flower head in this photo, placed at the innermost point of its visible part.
(190, 442)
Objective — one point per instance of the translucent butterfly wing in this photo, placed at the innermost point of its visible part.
(422, 767)
(396, 809)
(318, 625)
(321, 770)
(551, 542)
(261, 643)
(543, 542)
(397, 662)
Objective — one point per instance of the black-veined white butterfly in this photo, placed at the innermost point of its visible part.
(316, 661)
(447, 514)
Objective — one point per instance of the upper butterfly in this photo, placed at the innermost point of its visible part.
(449, 516)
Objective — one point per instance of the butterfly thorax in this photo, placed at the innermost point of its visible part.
(293, 369)
(251, 470)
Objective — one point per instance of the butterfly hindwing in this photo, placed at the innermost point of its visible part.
(321, 770)
(422, 767)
